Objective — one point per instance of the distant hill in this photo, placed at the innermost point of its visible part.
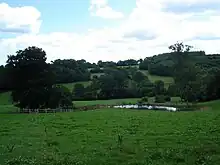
(162, 64)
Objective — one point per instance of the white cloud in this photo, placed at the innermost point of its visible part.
(19, 19)
(154, 27)
(100, 8)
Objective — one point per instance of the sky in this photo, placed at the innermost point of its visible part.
(108, 30)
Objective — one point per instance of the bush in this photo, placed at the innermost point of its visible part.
(140, 102)
(160, 99)
(95, 77)
(150, 94)
(96, 70)
(167, 98)
(144, 99)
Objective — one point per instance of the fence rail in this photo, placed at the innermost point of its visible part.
(45, 110)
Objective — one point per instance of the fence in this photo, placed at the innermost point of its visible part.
(45, 110)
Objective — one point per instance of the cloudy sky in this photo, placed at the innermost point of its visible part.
(107, 29)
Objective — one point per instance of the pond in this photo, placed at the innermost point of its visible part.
(148, 107)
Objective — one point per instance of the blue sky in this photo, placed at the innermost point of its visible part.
(70, 15)
(107, 29)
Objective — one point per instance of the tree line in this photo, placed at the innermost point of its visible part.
(118, 83)
(33, 81)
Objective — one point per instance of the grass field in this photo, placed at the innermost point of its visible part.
(110, 137)
(167, 80)
(70, 86)
(96, 74)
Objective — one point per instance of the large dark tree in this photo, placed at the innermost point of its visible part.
(32, 78)
(186, 73)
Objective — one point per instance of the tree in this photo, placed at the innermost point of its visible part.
(78, 91)
(145, 88)
(172, 90)
(144, 99)
(70, 70)
(159, 88)
(29, 68)
(160, 99)
(213, 86)
(186, 74)
(180, 47)
(180, 55)
(5, 82)
(33, 79)
(139, 76)
(144, 64)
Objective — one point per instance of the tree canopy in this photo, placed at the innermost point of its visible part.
(33, 80)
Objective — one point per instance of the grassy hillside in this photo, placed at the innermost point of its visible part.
(70, 86)
(153, 78)
(96, 74)
(112, 137)
(167, 80)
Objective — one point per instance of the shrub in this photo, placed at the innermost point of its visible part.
(144, 99)
(167, 98)
(160, 99)
(96, 70)
(140, 102)
(150, 94)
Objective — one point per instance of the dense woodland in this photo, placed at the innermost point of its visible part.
(34, 82)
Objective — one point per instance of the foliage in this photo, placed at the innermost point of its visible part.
(144, 99)
(195, 76)
(113, 84)
(33, 81)
(69, 70)
(60, 97)
(186, 73)
(106, 64)
(159, 88)
(32, 77)
(96, 70)
(167, 98)
(129, 62)
(78, 91)
(213, 87)
(163, 64)
(160, 99)
(139, 77)
(144, 64)
(172, 90)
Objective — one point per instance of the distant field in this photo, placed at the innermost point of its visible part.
(110, 137)
(105, 102)
(70, 86)
(116, 101)
(153, 78)
(167, 80)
